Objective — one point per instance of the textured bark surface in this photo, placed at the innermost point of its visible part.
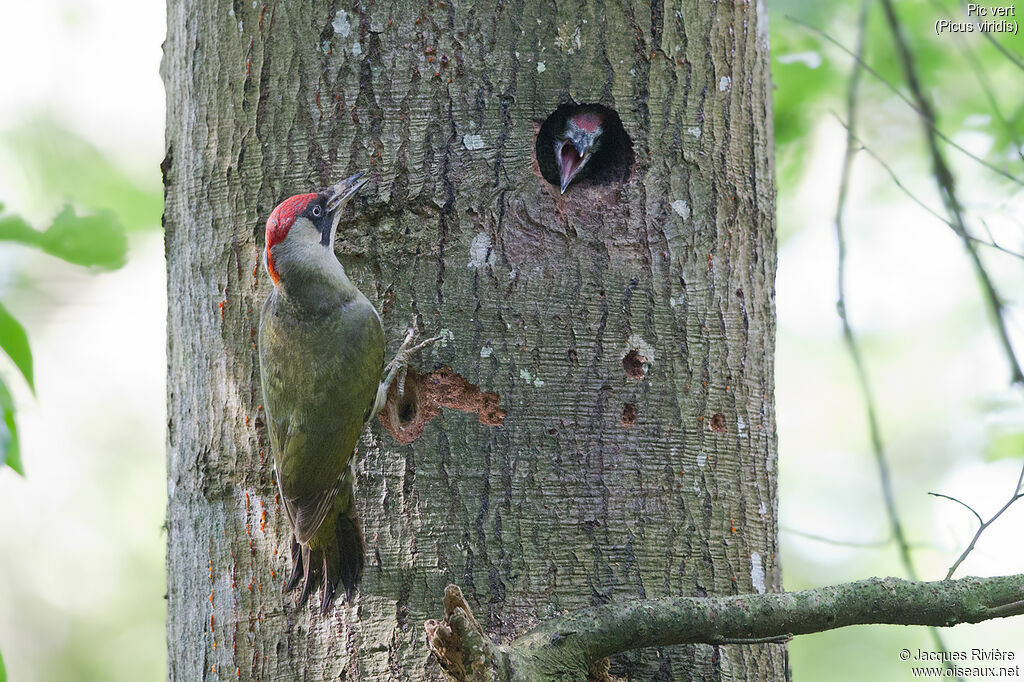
(613, 475)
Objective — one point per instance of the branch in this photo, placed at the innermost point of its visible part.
(990, 242)
(572, 647)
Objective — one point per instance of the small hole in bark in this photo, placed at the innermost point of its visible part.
(628, 414)
(633, 364)
(583, 145)
(718, 422)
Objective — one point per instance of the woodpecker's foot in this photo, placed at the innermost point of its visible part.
(399, 365)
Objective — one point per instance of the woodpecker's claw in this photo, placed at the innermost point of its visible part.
(399, 366)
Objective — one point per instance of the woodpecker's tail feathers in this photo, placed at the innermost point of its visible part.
(297, 571)
(343, 559)
(352, 550)
(334, 554)
(312, 574)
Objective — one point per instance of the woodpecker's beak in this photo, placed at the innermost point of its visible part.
(570, 161)
(338, 195)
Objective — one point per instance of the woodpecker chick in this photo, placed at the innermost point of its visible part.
(577, 143)
(321, 350)
(582, 146)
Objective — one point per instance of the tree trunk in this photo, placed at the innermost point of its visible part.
(627, 328)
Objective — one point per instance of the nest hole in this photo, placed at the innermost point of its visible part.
(610, 157)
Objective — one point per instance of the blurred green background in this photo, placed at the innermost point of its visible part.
(81, 539)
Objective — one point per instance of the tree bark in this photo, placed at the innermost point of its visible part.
(613, 475)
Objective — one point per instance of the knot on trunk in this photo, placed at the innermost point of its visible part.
(459, 644)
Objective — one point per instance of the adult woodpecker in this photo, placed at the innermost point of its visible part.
(577, 143)
(321, 348)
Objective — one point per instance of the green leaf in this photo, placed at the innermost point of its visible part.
(97, 240)
(14, 342)
(88, 240)
(9, 450)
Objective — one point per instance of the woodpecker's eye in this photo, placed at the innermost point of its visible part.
(316, 211)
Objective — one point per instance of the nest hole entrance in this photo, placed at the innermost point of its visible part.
(583, 145)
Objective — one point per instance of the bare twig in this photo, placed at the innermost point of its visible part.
(867, 544)
(855, 544)
(991, 242)
(962, 504)
(849, 338)
(982, 525)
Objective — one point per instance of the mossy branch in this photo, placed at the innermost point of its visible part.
(573, 646)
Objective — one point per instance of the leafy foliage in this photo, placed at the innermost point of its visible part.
(88, 240)
(9, 449)
(14, 342)
(91, 241)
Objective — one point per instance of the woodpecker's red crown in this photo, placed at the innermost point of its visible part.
(587, 120)
(280, 222)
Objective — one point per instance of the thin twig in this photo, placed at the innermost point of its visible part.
(982, 525)
(947, 189)
(850, 339)
(867, 544)
(862, 544)
(929, 122)
(881, 461)
(991, 243)
(962, 504)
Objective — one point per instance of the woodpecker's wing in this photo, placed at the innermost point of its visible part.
(319, 375)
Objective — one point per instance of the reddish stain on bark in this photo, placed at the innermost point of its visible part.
(718, 422)
(628, 414)
(407, 415)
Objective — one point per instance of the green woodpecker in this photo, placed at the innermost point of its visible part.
(321, 347)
